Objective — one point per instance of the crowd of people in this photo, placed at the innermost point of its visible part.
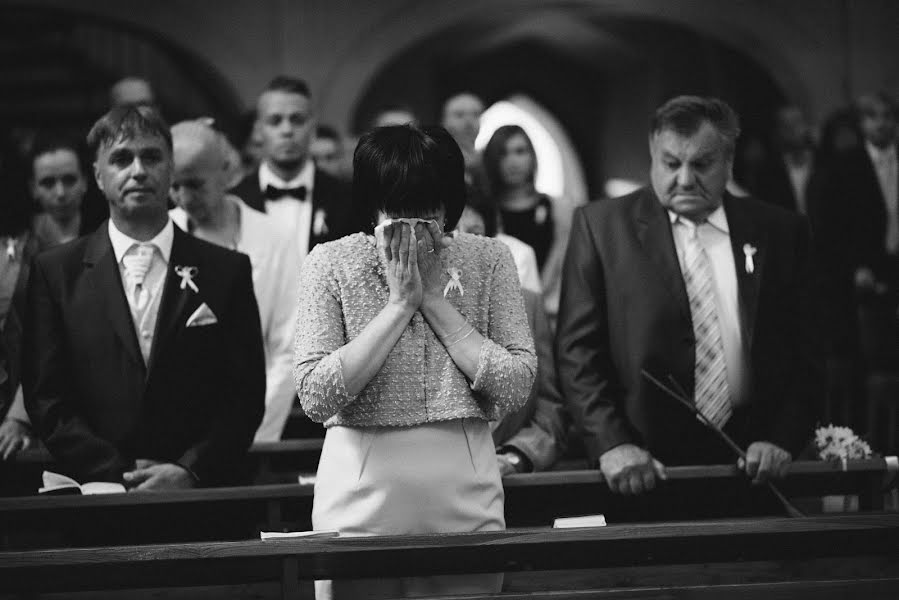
(165, 308)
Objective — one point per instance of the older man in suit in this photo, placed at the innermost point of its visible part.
(691, 285)
(287, 185)
(143, 362)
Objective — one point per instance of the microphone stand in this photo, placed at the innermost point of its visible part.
(681, 397)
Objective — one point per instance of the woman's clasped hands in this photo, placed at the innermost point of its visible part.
(413, 257)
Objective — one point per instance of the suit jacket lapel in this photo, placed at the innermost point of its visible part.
(745, 235)
(102, 271)
(654, 232)
(171, 317)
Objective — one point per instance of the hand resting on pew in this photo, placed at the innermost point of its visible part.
(153, 475)
(630, 470)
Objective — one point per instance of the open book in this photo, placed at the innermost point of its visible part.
(54, 483)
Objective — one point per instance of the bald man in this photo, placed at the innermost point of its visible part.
(204, 169)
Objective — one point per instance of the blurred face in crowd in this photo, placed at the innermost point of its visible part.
(394, 117)
(462, 118)
(689, 173)
(518, 162)
(878, 121)
(200, 179)
(58, 185)
(285, 126)
(135, 176)
(326, 154)
(132, 90)
(471, 221)
(793, 129)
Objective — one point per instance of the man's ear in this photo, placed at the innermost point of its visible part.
(97, 177)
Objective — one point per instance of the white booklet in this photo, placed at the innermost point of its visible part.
(281, 535)
(584, 521)
(54, 483)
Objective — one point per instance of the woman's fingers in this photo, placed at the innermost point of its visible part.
(404, 246)
(436, 236)
(383, 236)
(394, 242)
(412, 266)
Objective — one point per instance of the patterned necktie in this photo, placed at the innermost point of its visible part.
(138, 261)
(710, 371)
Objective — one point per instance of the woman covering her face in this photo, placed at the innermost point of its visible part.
(408, 342)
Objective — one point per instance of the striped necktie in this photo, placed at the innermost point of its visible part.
(712, 396)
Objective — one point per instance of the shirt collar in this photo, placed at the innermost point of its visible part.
(121, 243)
(305, 177)
(878, 154)
(718, 219)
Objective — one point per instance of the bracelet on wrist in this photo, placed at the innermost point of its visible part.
(470, 331)
(445, 338)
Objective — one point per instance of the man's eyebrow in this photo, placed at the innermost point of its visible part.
(704, 156)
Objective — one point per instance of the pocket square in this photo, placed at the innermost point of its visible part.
(202, 316)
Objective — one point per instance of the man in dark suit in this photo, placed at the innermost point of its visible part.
(783, 176)
(143, 362)
(313, 204)
(856, 224)
(690, 284)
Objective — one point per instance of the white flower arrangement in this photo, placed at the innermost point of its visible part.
(840, 443)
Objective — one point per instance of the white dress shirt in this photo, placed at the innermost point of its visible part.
(799, 174)
(714, 234)
(145, 319)
(276, 269)
(525, 262)
(294, 214)
(886, 167)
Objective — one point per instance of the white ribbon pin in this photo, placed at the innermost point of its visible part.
(187, 275)
(749, 251)
(455, 282)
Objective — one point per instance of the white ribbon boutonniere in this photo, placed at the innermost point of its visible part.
(749, 251)
(187, 275)
(455, 282)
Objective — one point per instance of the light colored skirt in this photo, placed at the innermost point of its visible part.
(431, 478)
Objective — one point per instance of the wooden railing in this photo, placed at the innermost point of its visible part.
(214, 514)
(792, 557)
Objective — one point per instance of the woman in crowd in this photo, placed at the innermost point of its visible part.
(408, 342)
(68, 206)
(524, 213)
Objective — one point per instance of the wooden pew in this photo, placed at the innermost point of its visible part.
(215, 514)
(267, 462)
(693, 559)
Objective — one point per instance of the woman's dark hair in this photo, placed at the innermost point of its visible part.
(494, 152)
(408, 171)
(486, 207)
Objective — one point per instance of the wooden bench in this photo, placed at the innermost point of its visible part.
(214, 514)
(266, 463)
(832, 555)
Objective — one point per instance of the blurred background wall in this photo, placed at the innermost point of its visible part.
(597, 67)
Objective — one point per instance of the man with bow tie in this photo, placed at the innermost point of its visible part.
(287, 185)
(143, 361)
(708, 294)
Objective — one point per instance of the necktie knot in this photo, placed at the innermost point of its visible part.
(137, 262)
(273, 193)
